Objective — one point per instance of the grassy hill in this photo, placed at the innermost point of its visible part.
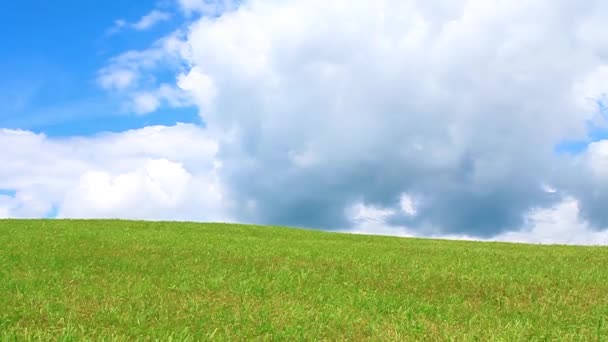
(120, 280)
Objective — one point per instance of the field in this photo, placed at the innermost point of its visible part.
(121, 280)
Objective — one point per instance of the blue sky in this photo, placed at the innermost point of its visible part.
(472, 119)
(49, 61)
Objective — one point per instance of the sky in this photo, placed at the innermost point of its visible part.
(461, 119)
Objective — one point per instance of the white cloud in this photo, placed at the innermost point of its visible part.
(117, 79)
(365, 214)
(150, 101)
(373, 220)
(145, 103)
(4, 207)
(593, 87)
(130, 76)
(151, 19)
(207, 7)
(119, 24)
(152, 173)
(22, 205)
(146, 22)
(199, 86)
(560, 224)
(597, 161)
(408, 205)
(165, 52)
(159, 189)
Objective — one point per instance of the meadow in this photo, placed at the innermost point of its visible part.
(122, 280)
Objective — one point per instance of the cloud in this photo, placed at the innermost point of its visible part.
(117, 79)
(585, 178)
(165, 52)
(208, 7)
(199, 86)
(321, 105)
(151, 19)
(558, 224)
(22, 205)
(408, 205)
(159, 189)
(145, 103)
(146, 22)
(149, 101)
(118, 26)
(156, 172)
(172, 173)
(131, 77)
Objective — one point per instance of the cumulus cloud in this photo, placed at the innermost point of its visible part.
(458, 104)
(158, 189)
(152, 173)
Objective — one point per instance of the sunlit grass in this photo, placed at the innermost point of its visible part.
(116, 280)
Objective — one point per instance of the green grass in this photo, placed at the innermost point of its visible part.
(113, 280)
